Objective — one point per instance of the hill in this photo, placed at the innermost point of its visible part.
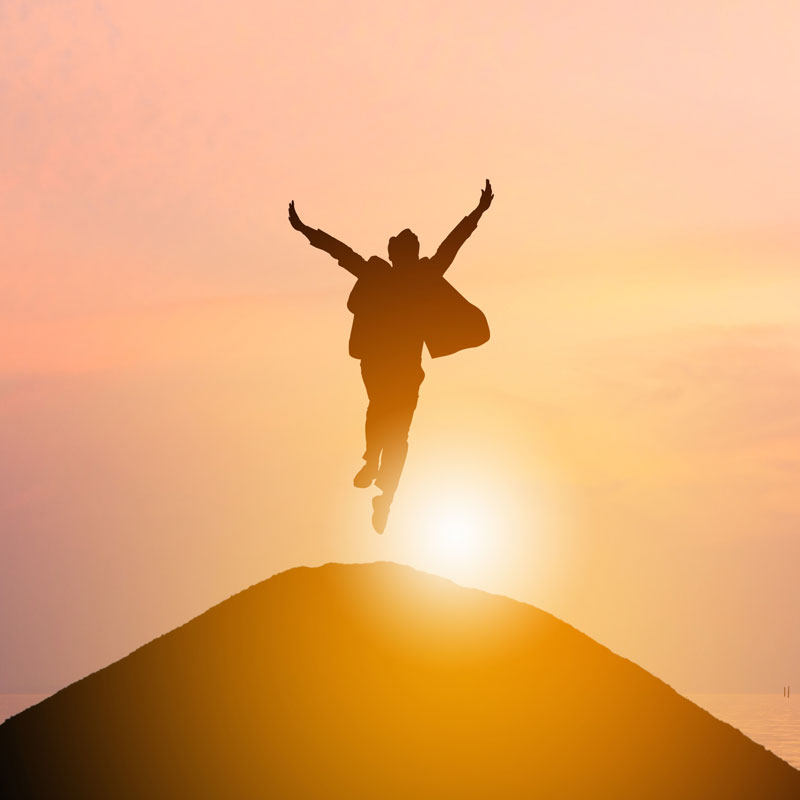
(377, 681)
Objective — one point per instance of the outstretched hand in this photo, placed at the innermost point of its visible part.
(295, 220)
(486, 197)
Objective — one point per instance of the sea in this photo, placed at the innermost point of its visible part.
(769, 719)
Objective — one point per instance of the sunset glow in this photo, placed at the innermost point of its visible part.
(179, 416)
(460, 529)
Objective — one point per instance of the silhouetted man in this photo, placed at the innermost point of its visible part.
(396, 307)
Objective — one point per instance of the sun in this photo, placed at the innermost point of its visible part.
(480, 515)
(457, 528)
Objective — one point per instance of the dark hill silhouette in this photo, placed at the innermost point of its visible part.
(376, 681)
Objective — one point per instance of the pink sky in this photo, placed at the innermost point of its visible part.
(176, 353)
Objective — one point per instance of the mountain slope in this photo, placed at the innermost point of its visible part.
(376, 680)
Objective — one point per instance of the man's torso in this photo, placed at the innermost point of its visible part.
(388, 313)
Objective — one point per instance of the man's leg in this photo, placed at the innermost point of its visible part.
(392, 461)
(398, 418)
(394, 452)
(394, 391)
(373, 432)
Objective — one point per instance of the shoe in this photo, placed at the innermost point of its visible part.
(380, 512)
(365, 476)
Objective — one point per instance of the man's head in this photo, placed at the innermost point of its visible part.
(404, 248)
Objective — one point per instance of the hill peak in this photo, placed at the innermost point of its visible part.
(377, 680)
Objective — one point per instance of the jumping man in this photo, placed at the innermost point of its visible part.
(396, 308)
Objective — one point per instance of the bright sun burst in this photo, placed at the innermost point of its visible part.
(458, 529)
(475, 521)
(457, 525)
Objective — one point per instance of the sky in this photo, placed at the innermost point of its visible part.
(179, 417)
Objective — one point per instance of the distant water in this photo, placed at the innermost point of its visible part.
(769, 719)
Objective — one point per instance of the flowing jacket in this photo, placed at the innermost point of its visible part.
(395, 310)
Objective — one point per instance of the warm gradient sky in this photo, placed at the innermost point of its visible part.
(178, 414)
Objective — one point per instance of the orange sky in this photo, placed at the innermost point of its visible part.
(178, 414)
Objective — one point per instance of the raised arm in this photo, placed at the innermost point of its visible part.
(346, 257)
(450, 246)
